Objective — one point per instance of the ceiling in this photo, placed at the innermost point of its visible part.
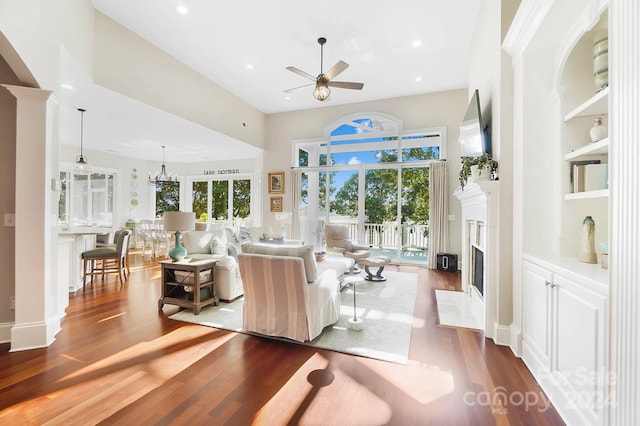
(400, 48)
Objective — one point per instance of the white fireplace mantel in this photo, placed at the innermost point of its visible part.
(480, 202)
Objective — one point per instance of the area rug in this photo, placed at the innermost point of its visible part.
(386, 309)
(454, 309)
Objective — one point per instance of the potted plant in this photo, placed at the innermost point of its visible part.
(480, 163)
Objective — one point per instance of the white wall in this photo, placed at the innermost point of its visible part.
(428, 110)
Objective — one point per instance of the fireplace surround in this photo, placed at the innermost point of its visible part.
(480, 201)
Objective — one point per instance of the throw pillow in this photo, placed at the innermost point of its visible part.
(272, 240)
(232, 250)
(243, 235)
(272, 236)
(218, 246)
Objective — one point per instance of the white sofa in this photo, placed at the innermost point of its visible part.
(286, 293)
(201, 245)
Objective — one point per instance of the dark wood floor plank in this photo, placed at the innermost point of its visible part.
(118, 360)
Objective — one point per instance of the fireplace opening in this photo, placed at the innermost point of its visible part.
(477, 270)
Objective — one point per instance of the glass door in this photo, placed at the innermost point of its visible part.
(415, 214)
(344, 205)
(381, 211)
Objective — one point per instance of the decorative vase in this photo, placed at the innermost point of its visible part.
(601, 59)
(598, 131)
(587, 246)
(178, 252)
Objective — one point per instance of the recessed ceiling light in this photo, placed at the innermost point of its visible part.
(67, 86)
(249, 66)
(287, 98)
(417, 79)
(416, 43)
(182, 9)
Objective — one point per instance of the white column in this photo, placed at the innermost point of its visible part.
(37, 319)
(624, 158)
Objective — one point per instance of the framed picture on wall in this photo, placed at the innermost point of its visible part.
(276, 204)
(276, 183)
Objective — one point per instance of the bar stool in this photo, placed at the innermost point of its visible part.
(104, 260)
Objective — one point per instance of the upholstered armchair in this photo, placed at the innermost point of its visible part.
(337, 240)
(286, 294)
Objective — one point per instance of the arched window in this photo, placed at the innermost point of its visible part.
(371, 175)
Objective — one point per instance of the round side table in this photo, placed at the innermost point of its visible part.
(355, 323)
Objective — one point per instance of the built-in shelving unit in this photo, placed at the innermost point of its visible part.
(563, 319)
(596, 105)
(600, 193)
(600, 147)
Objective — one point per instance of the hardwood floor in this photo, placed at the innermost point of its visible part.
(118, 360)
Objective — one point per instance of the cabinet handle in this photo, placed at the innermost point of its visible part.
(552, 285)
(546, 283)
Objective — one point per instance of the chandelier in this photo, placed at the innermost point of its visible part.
(82, 165)
(162, 176)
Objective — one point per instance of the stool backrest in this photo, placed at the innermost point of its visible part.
(122, 241)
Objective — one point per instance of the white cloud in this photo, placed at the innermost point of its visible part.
(354, 161)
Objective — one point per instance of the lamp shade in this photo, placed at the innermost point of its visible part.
(179, 221)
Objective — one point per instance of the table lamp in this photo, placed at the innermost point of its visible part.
(179, 222)
(283, 219)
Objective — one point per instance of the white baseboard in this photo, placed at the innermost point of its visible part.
(502, 335)
(34, 335)
(516, 342)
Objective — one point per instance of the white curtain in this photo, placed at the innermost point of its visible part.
(295, 204)
(438, 211)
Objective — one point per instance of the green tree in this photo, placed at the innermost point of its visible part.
(241, 198)
(167, 197)
(199, 196)
(219, 199)
(345, 202)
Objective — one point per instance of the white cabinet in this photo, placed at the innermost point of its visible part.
(564, 340)
(537, 319)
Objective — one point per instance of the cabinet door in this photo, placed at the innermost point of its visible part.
(537, 316)
(580, 357)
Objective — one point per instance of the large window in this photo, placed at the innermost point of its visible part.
(86, 199)
(225, 201)
(371, 176)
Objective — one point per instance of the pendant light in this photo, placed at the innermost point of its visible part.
(82, 166)
(162, 176)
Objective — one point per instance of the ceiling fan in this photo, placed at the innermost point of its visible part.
(324, 80)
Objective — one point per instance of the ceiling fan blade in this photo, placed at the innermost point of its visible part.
(346, 85)
(299, 87)
(302, 73)
(336, 69)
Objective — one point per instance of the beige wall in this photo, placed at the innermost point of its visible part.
(491, 73)
(422, 111)
(7, 190)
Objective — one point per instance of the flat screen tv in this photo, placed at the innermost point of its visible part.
(474, 135)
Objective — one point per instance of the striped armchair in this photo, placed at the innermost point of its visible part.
(284, 293)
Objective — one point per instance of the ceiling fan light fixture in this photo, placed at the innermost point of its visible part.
(322, 91)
